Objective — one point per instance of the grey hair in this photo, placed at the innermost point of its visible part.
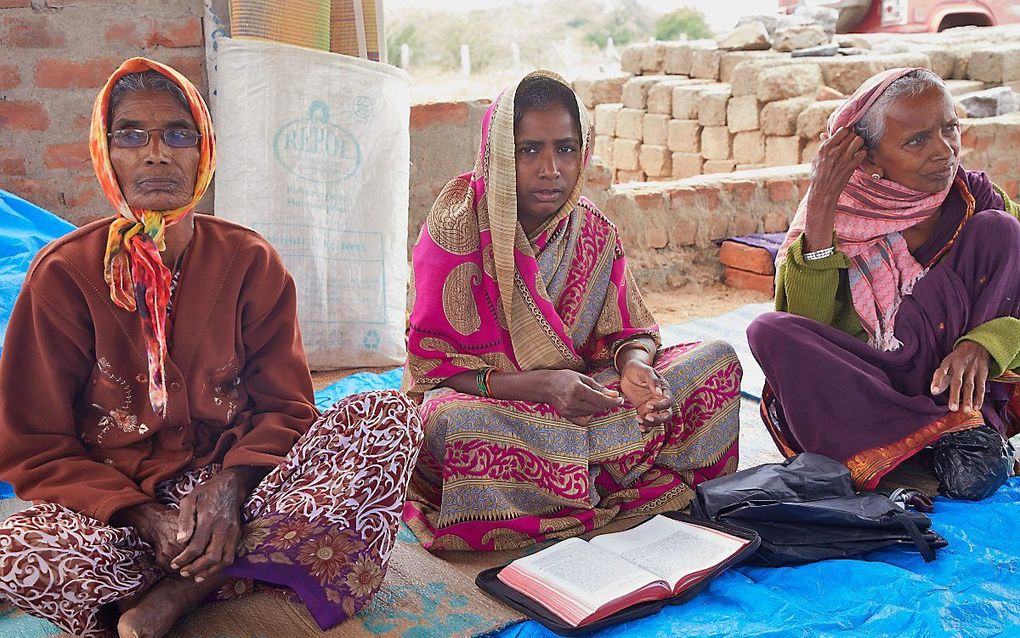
(145, 81)
(872, 125)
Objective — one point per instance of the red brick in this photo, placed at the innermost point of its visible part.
(24, 116)
(9, 76)
(55, 73)
(38, 192)
(12, 166)
(749, 281)
(742, 191)
(190, 66)
(15, 4)
(656, 237)
(684, 232)
(74, 155)
(782, 191)
(710, 195)
(130, 32)
(744, 257)
(425, 115)
(82, 122)
(176, 33)
(81, 197)
(32, 33)
(682, 198)
(651, 200)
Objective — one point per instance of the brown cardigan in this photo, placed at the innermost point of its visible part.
(76, 426)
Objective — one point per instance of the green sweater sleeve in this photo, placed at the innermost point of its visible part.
(1001, 336)
(817, 289)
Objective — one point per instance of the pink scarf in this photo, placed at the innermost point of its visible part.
(870, 214)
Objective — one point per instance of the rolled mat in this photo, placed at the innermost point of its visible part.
(301, 22)
(357, 29)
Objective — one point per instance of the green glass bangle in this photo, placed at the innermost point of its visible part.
(483, 389)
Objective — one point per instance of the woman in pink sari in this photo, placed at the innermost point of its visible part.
(548, 406)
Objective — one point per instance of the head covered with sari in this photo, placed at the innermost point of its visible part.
(870, 214)
(486, 294)
(138, 278)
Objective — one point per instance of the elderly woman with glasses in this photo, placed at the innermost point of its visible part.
(156, 405)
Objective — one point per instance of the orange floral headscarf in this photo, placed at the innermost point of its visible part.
(133, 268)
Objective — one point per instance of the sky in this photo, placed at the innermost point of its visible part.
(720, 14)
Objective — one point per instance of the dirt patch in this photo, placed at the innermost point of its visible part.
(694, 302)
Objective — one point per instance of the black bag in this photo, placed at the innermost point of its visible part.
(972, 464)
(805, 509)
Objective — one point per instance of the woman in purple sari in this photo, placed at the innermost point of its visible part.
(899, 292)
(548, 406)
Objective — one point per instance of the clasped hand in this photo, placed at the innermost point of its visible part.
(201, 539)
(577, 397)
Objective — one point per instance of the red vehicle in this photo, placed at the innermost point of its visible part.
(913, 16)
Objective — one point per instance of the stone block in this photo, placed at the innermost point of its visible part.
(800, 37)
(630, 123)
(660, 95)
(655, 130)
(782, 151)
(687, 164)
(990, 102)
(656, 161)
(605, 118)
(780, 83)
(656, 237)
(712, 105)
(807, 154)
(684, 232)
(716, 142)
(730, 59)
(601, 90)
(749, 147)
(718, 166)
(744, 77)
(603, 149)
(631, 58)
(995, 65)
(780, 117)
(847, 73)
(685, 101)
(684, 136)
(652, 58)
(598, 176)
(677, 59)
(635, 91)
(812, 121)
(705, 63)
(962, 87)
(775, 222)
(749, 167)
(626, 177)
(742, 113)
(626, 154)
(750, 36)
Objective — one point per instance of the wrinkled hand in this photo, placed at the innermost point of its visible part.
(647, 392)
(831, 169)
(577, 397)
(209, 526)
(964, 372)
(156, 524)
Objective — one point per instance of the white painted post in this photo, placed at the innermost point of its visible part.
(465, 60)
(405, 56)
(515, 54)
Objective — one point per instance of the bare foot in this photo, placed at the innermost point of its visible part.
(162, 605)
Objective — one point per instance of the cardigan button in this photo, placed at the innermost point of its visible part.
(175, 386)
(141, 378)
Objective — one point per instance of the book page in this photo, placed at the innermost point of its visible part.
(587, 573)
(671, 549)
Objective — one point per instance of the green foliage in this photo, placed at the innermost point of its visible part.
(627, 21)
(406, 34)
(685, 21)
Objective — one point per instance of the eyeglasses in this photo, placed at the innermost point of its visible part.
(137, 137)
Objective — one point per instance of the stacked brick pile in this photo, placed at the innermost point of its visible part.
(56, 55)
(680, 109)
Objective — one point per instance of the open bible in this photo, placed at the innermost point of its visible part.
(583, 582)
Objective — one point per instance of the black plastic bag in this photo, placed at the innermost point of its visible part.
(972, 464)
(805, 509)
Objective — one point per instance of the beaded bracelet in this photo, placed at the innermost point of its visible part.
(819, 254)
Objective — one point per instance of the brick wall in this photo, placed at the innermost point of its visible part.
(56, 55)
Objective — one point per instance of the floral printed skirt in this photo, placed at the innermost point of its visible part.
(322, 524)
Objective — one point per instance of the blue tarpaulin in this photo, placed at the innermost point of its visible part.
(972, 589)
(24, 229)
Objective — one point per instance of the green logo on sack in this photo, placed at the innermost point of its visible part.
(316, 150)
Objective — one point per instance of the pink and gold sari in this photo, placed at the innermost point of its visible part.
(499, 474)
